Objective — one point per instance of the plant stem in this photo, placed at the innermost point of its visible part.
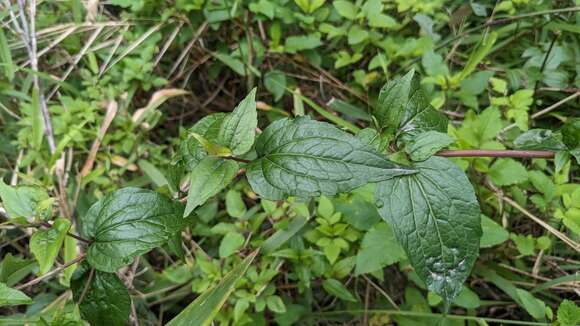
(427, 315)
(52, 272)
(237, 159)
(496, 153)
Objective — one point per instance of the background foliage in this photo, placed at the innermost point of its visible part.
(124, 81)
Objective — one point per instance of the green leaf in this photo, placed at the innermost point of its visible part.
(571, 133)
(506, 171)
(338, 290)
(209, 177)
(534, 306)
(13, 269)
(345, 8)
(307, 158)
(204, 308)
(478, 54)
(357, 35)
(22, 202)
(435, 217)
(393, 100)
(231, 242)
(275, 83)
(379, 248)
(238, 130)
(402, 107)
(493, 233)
(156, 176)
(45, 244)
(233, 63)
(191, 152)
(104, 299)
(568, 313)
(235, 204)
(540, 139)
(127, 223)
(424, 145)
(275, 304)
(283, 235)
(467, 299)
(11, 297)
(6, 62)
(294, 44)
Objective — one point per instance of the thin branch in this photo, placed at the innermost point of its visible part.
(546, 110)
(574, 245)
(52, 272)
(495, 153)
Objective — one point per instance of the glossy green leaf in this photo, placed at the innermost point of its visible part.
(379, 248)
(424, 145)
(127, 223)
(45, 244)
(307, 158)
(338, 290)
(11, 297)
(435, 216)
(204, 308)
(539, 139)
(393, 100)
(104, 299)
(238, 130)
(208, 178)
(22, 202)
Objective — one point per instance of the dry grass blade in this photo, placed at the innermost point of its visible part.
(109, 116)
(134, 45)
(574, 245)
(188, 47)
(155, 101)
(76, 60)
(167, 44)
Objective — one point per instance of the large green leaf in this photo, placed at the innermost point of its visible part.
(238, 130)
(204, 308)
(209, 177)
(127, 223)
(307, 158)
(104, 299)
(436, 218)
(9, 296)
(45, 244)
